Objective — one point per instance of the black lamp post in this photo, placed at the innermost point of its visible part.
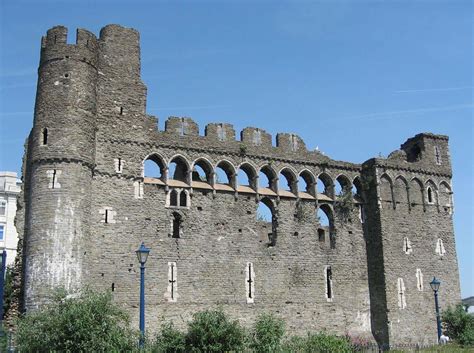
(434, 284)
(142, 255)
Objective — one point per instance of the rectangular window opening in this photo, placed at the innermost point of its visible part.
(2, 231)
(250, 282)
(329, 292)
(3, 207)
(106, 216)
(172, 291)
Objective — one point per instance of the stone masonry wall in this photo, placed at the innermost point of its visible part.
(88, 196)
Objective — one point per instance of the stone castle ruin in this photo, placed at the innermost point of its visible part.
(89, 200)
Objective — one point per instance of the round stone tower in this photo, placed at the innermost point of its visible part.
(60, 162)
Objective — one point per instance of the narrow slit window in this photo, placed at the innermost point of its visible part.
(401, 294)
(138, 189)
(53, 178)
(407, 246)
(106, 216)
(440, 250)
(113, 287)
(329, 291)
(430, 195)
(172, 291)
(249, 282)
(119, 165)
(45, 136)
(121, 110)
(437, 155)
(419, 280)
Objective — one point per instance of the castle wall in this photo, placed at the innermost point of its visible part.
(89, 204)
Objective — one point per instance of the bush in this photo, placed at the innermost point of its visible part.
(459, 325)
(90, 322)
(317, 343)
(267, 334)
(212, 331)
(169, 340)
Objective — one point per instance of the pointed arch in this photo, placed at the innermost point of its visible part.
(247, 175)
(325, 185)
(179, 169)
(416, 192)
(266, 171)
(386, 188)
(343, 184)
(357, 189)
(153, 166)
(225, 173)
(445, 195)
(287, 180)
(400, 190)
(431, 192)
(264, 220)
(202, 171)
(307, 182)
(325, 216)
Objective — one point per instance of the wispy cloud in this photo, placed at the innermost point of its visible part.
(192, 107)
(443, 89)
(401, 113)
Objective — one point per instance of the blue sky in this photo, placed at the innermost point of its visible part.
(354, 78)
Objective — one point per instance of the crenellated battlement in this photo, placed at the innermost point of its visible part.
(54, 46)
(345, 245)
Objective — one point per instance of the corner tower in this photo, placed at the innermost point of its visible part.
(59, 165)
(410, 239)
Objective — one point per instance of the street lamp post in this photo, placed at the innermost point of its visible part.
(142, 255)
(434, 284)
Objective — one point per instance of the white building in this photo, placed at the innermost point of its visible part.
(9, 189)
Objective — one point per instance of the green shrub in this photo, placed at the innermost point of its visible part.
(317, 343)
(459, 325)
(169, 340)
(89, 322)
(212, 331)
(267, 334)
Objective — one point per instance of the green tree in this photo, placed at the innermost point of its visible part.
(213, 331)
(85, 322)
(459, 325)
(169, 340)
(267, 334)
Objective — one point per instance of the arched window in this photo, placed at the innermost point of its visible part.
(287, 181)
(325, 185)
(306, 182)
(225, 173)
(431, 196)
(267, 178)
(202, 171)
(183, 198)
(153, 167)
(445, 196)
(44, 136)
(246, 176)
(178, 169)
(326, 222)
(266, 220)
(357, 190)
(416, 192)
(386, 189)
(173, 198)
(343, 185)
(400, 190)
